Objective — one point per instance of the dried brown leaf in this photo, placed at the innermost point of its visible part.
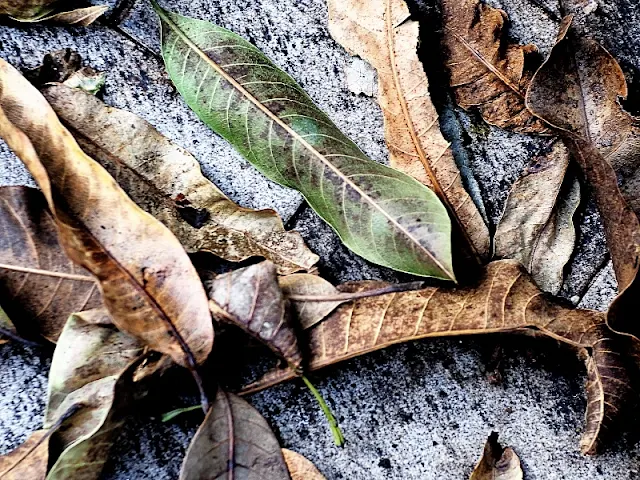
(166, 181)
(299, 467)
(147, 280)
(308, 313)
(485, 71)
(29, 460)
(24, 8)
(81, 17)
(497, 463)
(382, 33)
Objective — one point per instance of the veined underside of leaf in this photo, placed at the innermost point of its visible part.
(40, 285)
(381, 32)
(536, 227)
(300, 468)
(497, 463)
(233, 442)
(505, 300)
(166, 181)
(147, 280)
(485, 72)
(381, 214)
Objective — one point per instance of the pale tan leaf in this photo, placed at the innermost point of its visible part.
(308, 313)
(300, 468)
(497, 463)
(29, 460)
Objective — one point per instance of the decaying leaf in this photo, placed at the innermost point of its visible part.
(24, 8)
(234, 441)
(486, 72)
(80, 16)
(88, 368)
(39, 284)
(381, 32)
(380, 213)
(505, 299)
(536, 227)
(29, 460)
(251, 299)
(497, 463)
(308, 313)
(299, 467)
(148, 283)
(166, 181)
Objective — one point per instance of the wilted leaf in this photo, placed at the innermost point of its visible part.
(381, 32)
(381, 214)
(166, 181)
(300, 468)
(80, 16)
(29, 460)
(308, 313)
(536, 227)
(39, 284)
(234, 441)
(497, 463)
(88, 368)
(251, 299)
(504, 300)
(148, 282)
(485, 71)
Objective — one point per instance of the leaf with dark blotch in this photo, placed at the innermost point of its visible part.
(88, 368)
(497, 463)
(167, 182)
(300, 468)
(536, 227)
(81, 17)
(234, 441)
(307, 314)
(148, 282)
(380, 213)
(29, 460)
(382, 33)
(251, 299)
(485, 71)
(505, 300)
(41, 284)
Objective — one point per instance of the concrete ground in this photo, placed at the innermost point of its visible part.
(416, 411)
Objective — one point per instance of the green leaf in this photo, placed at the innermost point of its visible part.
(381, 214)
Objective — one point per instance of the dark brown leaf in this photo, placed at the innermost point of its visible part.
(497, 463)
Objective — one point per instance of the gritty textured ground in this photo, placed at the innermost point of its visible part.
(417, 411)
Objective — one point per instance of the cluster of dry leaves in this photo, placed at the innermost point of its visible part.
(96, 260)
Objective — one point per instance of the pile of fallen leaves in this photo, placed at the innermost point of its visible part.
(97, 259)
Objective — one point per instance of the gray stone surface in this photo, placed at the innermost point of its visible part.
(417, 411)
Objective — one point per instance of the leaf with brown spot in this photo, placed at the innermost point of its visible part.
(41, 284)
(250, 298)
(536, 227)
(497, 463)
(167, 182)
(300, 468)
(485, 71)
(382, 33)
(234, 441)
(504, 300)
(149, 285)
(29, 460)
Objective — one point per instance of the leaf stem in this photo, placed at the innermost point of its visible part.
(166, 417)
(333, 423)
(346, 296)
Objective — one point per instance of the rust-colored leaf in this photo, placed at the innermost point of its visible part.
(485, 71)
(504, 300)
(39, 284)
(382, 33)
(166, 181)
(29, 460)
(497, 463)
(147, 280)
(300, 468)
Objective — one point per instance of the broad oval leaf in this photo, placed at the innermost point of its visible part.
(381, 214)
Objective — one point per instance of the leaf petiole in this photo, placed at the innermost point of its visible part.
(166, 417)
(333, 423)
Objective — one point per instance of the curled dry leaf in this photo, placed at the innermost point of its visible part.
(380, 213)
(148, 283)
(234, 441)
(88, 368)
(308, 313)
(299, 467)
(497, 463)
(81, 17)
(486, 72)
(167, 182)
(251, 299)
(382, 33)
(29, 460)
(504, 300)
(24, 8)
(41, 285)
(536, 227)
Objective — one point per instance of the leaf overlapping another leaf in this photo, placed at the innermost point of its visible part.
(497, 463)
(381, 214)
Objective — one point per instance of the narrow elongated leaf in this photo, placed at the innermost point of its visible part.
(536, 227)
(497, 463)
(41, 285)
(300, 468)
(148, 282)
(381, 214)
(504, 300)
(80, 16)
(234, 441)
(166, 181)
(381, 32)
(29, 460)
